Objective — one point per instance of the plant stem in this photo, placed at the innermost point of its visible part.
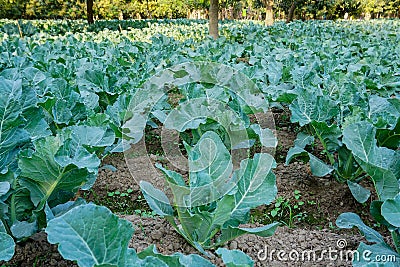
(329, 155)
(8, 230)
(12, 204)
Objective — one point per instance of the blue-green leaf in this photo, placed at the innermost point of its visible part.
(380, 163)
(348, 220)
(156, 199)
(7, 246)
(360, 193)
(234, 258)
(391, 211)
(91, 235)
(255, 184)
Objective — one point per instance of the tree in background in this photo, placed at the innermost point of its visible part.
(291, 12)
(89, 10)
(269, 12)
(213, 19)
(13, 9)
(228, 9)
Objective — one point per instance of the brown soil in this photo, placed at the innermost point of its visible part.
(313, 224)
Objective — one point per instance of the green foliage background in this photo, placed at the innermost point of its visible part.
(114, 9)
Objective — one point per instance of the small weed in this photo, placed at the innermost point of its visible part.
(120, 201)
(286, 210)
(145, 213)
(118, 193)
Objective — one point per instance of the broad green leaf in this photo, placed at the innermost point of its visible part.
(274, 71)
(10, 103)
(36, 125)
(360, 193)
(22, 202)
(384, 112)
(89, 99)
(296, 152)
(91, 235)
(61, 209)
(173, 177)
(348, 220)
(346, 166)
(134, 112)
(23, 229)
(231, 233)
(92, 136)
(62, 111)
(95, 80)
(375, 210)
(11, 135)
(309, 106)
(209, 160)
(62, 100)
(190, 115)
(131, 259)
(360, 139)
(176, 259)
(134, 127)
(4, 187)
(44, 177)
(192, 260)
(150, 261)
(389, 138)
(370, 255)
(2, 227)
(156, 199)
(194, 112)
(7, 247)
(378, 162)
(74, 153)
(391, 211)
(190, 223)
(317, 166)
(210, 168)
(118, 112)
(328, 135)
(234, 258)
(255, 184)
(303, 140)
(267, 137)
(10, 141)
(211, 222)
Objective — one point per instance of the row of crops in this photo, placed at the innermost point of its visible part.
(70, 98)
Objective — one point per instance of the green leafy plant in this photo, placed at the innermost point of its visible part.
(338, 135)
(378, 248)
(65, 103)
(207, 216)
(381, 164)
(67, 229)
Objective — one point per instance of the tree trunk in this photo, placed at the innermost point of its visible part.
(291, 12)
(89, 6)
(213, 19)
(269, 15)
